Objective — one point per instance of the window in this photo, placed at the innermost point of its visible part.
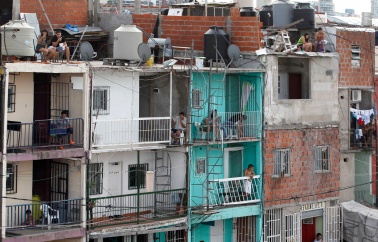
(272, 225)
(356, 56)
(136, 174)
(322, 162)
(11, 179)
(95, 178)
(196, 98)
(11, 98)
(200, 166)
(281, 162)
(101, 102)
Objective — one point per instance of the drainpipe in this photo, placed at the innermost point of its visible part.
(138, 184)
(170, 101)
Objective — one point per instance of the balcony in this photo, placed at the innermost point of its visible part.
(137, 208)
(232, 191)
(358, 142)
(26, 137)
(129, 132)
(40, 215)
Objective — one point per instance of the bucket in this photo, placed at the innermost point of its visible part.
(199, 62)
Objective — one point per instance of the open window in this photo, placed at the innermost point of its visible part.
(356, 56)
(293, 78)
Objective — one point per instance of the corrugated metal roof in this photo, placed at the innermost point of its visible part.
(355, 21)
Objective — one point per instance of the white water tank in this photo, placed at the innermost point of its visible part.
(126, 41)
(18, 39)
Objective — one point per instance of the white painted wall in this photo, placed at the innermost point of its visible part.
(124, 92)
(24, 183)
(24, 97)
(321, 108)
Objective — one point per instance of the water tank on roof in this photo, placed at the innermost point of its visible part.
(216, 39)
(248, 12)
(126, 41)
(18, 38)
(283, 13)
(266, 16)
(305, 11)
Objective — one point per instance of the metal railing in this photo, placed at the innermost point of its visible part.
(40, 214)
(44, 133)
(136, 208)
(131, 131)
(237, 190)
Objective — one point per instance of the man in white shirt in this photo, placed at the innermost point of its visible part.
(318, 238)
(178, 126)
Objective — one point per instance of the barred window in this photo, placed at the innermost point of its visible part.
(200, 166)
(95, 178)
(136, 174)
(196, 98)
(101, 100)
(11, 185)
(281, 162)
(11, 98)
(322, 155)
(272, 225)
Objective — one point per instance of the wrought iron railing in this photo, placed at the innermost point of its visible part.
(44, 133)
(40, 214)
(237, 190)
(136, 208)
(131, 131)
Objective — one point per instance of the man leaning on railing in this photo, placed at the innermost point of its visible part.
(247, 186)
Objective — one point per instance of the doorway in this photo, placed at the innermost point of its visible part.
(217, 231)
(233, 165)
(308, 229)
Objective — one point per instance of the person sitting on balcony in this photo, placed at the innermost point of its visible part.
(58, 42)
(215, 121)
(48, 53)
(304, 43)
(247, 186)
(179, 125)
(236, 120)
(367, 131)
(64, 123)
(29, 218)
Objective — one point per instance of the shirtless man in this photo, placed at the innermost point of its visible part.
(247, 186)
(319, 40)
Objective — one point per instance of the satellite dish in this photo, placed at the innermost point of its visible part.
(144, 52)
(86, 51)
(233, 52)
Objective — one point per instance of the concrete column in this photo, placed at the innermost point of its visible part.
(16, 10)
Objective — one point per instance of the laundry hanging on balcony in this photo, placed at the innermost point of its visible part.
(246, 92)
(362, 116)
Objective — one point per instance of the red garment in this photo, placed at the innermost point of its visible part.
(360, 121)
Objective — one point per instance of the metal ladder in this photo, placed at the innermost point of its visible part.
(282, 43)
(162, 181)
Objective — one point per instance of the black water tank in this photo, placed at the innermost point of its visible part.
(266, 16)
(216, 36)
(305, 11)
(248, 12)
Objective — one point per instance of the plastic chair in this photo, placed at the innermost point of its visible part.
(200, 130)
(49, 214)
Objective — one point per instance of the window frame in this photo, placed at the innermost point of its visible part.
(319, 161)
(278, 165)
(13, 187)
(203, 171)
(196, 98)
(133, 174)
(104, 104)
(11, 99)
(96, 176)
(355, 56)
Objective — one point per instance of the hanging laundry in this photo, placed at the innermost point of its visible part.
(362, 116)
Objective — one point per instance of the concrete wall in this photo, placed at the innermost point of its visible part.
(347, 179)
(323, 83)
(24, 183)
(24, 98)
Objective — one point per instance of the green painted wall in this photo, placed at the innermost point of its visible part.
(319, 225)
(227, 230)
(363, 170)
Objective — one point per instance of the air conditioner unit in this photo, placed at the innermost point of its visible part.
(356, 96)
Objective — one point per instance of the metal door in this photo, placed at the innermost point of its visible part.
(293, 227)
(333, 224)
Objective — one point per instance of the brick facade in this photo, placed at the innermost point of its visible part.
(353, 76)
(245, 31)
(59, 12)
(303, 185)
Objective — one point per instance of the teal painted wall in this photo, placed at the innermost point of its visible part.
(201, 233)
(228, 230)
(362, 171)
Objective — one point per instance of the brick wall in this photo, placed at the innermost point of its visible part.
(351, 76)
(245, 31)
(59, 12)
(303, 184)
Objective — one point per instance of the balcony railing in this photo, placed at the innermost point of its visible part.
(136, 208)
(360, 141)
(131, 131)
(237, 190)
(43, 133)
(41, 214)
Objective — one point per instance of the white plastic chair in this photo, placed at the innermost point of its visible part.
(49, 214)
(199, 130)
